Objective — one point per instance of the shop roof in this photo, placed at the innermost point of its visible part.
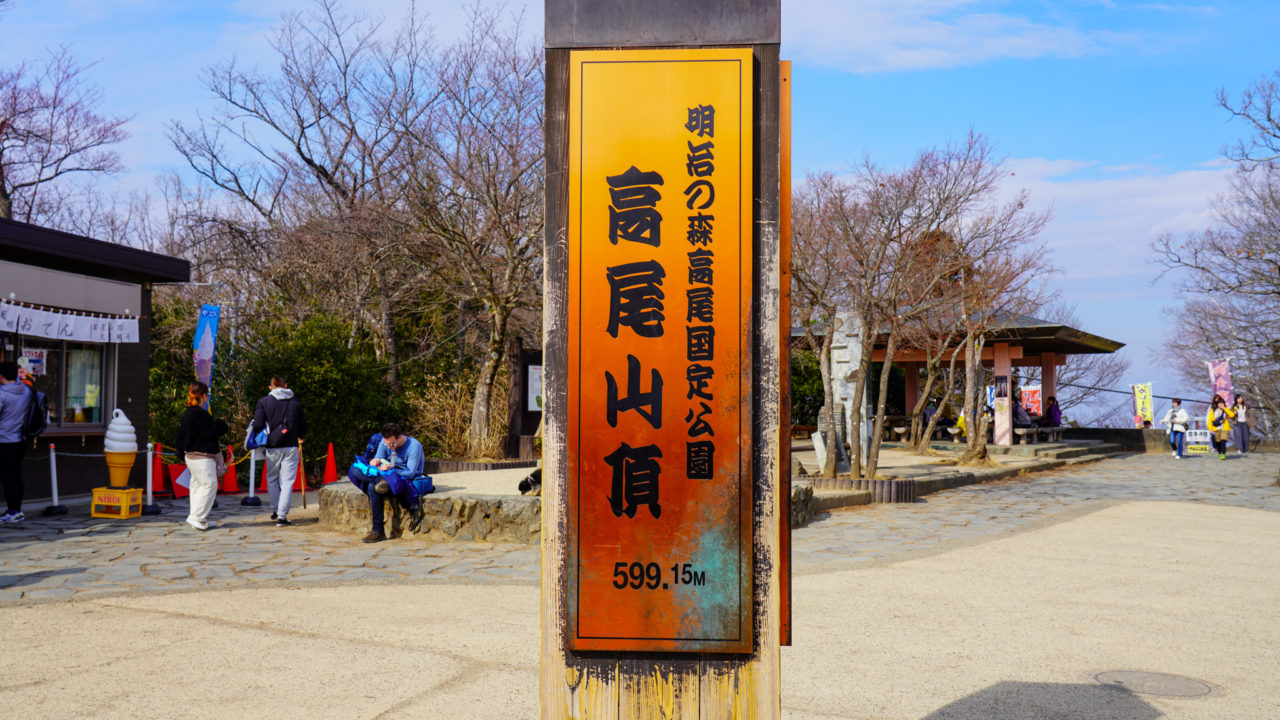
(57, 250)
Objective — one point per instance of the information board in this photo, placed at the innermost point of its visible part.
(659, 313)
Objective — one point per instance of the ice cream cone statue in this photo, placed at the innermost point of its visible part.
(120, 447)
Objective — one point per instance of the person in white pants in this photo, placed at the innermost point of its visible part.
(204, 489)
(198, 436)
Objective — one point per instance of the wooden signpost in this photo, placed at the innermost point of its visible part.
(663, 502)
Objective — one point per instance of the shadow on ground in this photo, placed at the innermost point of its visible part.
(13, 581)
(1048, 701)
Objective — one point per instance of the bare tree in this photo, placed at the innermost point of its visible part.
(1229, 279)
(1259, 108)
(819, 278)
(475, 182)
(315, 156)
(988, 261)
(51, 131)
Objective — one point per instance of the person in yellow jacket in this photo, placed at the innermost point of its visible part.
(1219, 422)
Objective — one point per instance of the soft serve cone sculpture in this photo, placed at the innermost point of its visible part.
(120, 447)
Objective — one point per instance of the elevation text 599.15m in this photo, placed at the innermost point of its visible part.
(637, 575)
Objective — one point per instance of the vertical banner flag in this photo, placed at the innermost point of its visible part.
(660, 541)
(1142, 404)
(205, 340)
(1220, 379)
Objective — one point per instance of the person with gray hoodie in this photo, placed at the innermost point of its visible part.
(15, 397)
(280, 413)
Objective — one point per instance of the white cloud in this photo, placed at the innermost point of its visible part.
(893, 35)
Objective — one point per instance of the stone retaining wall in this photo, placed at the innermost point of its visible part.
(490, 518)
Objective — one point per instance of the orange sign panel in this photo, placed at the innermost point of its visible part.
(660, 252)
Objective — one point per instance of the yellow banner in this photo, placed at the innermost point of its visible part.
(1142, 404)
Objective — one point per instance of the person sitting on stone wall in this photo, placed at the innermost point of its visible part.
(401, 459)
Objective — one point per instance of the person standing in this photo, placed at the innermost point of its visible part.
(1240, 429)
(15, 397)
(1219, 422)
(1176, 418)
(198, 436)
(280, 413)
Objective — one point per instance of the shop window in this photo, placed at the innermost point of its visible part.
(83, 399)
(72, 376)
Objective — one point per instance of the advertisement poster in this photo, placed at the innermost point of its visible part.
(1220, 379)
(34, 361)
(1142, 404)
(1031, 400)
(660, 237)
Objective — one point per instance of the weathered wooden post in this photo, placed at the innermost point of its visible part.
(663, 504)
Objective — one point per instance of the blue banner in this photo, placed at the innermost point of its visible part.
(205, 341)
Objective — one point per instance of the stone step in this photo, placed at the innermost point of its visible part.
(1093, 457)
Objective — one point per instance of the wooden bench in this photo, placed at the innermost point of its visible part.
(1028, 435)
(1052, 434)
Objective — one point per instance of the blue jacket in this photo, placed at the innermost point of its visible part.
(14, 399)
(407, 459)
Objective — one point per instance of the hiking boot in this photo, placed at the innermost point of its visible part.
(382, 488)
(283, 522)
(13, 517)
(273, 516)
(374, 537)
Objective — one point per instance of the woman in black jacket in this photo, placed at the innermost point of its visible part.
(198, 444)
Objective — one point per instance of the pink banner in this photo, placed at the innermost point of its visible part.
(1220, 379)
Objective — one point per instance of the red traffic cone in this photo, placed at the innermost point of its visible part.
(330, 467)
(229, 484)
(158, 485)
(175, 471)
(299, 481)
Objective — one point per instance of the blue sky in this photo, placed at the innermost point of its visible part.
(1104, 108)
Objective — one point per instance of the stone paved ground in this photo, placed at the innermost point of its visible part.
(75, 557)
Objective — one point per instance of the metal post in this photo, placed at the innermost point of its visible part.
(56, 508)
(251, 500)
(150, 507)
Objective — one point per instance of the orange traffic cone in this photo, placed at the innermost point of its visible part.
(330, 467)
(229, 484)
(299, 482)
(262, 486)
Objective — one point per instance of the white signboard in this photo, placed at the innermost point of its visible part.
(533, 388)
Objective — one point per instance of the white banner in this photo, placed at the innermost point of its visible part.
(99, 330)
(71, 326)
(8, 317)
(124, 330)
(39, 323)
